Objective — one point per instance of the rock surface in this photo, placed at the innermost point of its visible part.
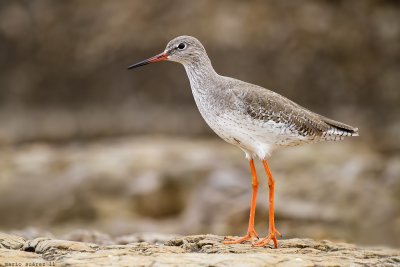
(199, 250)
(191, 186)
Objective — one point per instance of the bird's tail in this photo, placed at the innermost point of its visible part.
(338, 130)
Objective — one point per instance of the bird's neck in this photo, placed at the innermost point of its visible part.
(202, 75)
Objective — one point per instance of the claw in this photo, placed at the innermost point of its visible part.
(248, 237)
(277, 232)
(265, 241)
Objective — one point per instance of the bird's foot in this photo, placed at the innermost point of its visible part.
(271, 236)
(250, 236)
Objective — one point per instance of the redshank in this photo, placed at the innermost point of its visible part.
(253, 118)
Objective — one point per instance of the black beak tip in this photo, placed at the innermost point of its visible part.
(156, 58)
(142, 63)
(134, 66)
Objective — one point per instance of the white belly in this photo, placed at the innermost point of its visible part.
(257, 139)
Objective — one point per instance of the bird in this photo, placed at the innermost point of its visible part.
(252, 118)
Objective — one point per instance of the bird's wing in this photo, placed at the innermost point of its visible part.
(262, 104)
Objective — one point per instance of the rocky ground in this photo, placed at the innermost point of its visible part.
(337, 191)
(199, 250)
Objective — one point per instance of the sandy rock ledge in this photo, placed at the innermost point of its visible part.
(199, 250)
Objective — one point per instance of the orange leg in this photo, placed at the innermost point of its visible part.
(251, 232)
(272, 232)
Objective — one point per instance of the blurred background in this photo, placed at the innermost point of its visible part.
(86, 144)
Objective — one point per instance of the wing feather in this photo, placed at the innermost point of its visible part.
(262, 104)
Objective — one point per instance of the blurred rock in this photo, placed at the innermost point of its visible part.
(340, 191)
(157, 196)
(89, 237)
(32, 233)
(150, 238)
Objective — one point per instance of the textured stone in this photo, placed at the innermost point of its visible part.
(199, 250)
(11, 241)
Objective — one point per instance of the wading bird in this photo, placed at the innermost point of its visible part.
(253, 118)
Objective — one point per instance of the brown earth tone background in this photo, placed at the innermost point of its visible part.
(84, 143)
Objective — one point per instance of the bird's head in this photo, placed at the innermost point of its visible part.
(183, 49)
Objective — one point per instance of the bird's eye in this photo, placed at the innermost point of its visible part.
(181, 46)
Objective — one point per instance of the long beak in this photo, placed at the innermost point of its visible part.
(156, 58)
